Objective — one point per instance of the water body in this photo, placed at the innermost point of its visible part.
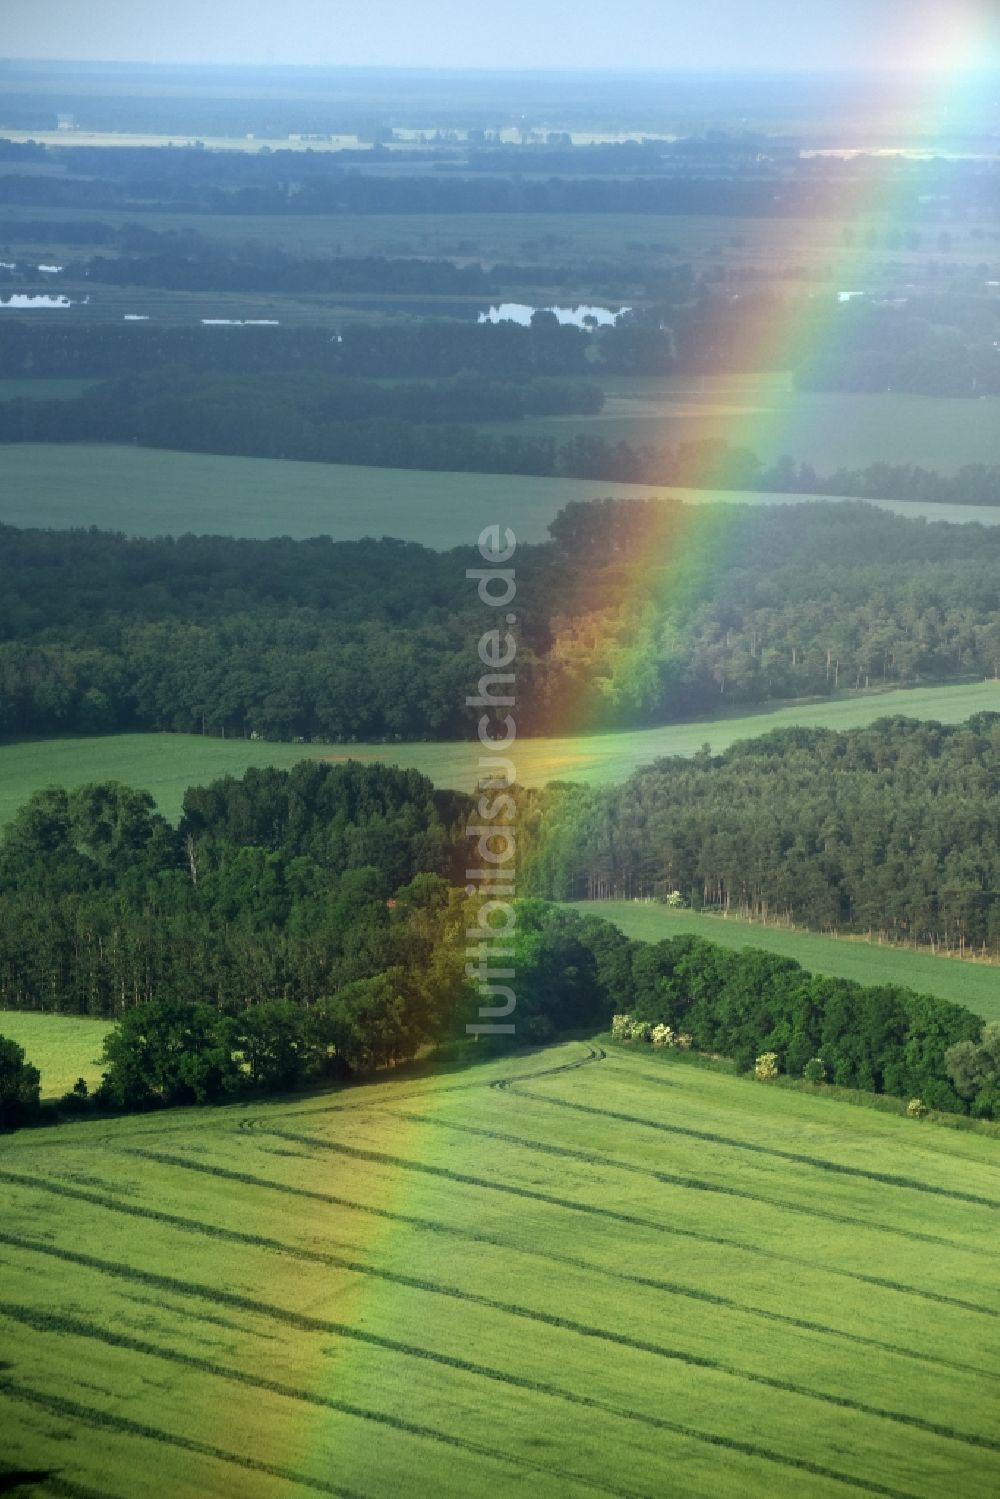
(21, 300)
(520, 312)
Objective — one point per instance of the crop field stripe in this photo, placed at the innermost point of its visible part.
(883, 1179)
(632, 1220)
(65, 1488)
(695, 1184)
(604, 1335)
(473, 1236)
(307, 1323)
(94, 1417)
(42, 1321)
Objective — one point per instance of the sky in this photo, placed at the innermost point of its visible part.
(620, 34)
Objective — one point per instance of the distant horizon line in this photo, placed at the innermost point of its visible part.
(751, 70)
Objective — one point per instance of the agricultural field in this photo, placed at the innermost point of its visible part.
(166, 764)
(150, 492)
(62, 1047)
(43, 390)
(578, 1271)
(973, 984)
(766, 414)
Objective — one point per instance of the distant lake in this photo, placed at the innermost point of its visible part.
(520, 312)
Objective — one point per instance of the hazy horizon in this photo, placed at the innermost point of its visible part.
(722, 36)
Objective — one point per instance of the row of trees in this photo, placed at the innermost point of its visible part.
(573, 972)
(893, 829)
(309, 416)
(282, 885)
(297, 183)
(685, 609)
(342, 419)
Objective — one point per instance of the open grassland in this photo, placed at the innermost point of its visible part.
(43, 390)
(166, 764)
(973, 984)
(564, 1273)
(766, 414)
(150, 492)
(62, 1047)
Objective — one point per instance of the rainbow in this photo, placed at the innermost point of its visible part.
(679, 547)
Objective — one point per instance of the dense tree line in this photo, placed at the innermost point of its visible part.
(280, 886)
(296, 182)
(883, 1039)
(254, 948)
(376, 350)
(305, 416)
(334, 419)
(894, 829)
(684, 609)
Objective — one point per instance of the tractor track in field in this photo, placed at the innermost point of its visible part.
(475, 1236)
(819, 1163)
(308, 1323)
(632, 1220)
(671, 1355)
(594, 1054)
(693, 1183)
(97, 1419)
(42, 1321)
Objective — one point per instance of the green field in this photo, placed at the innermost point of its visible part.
(149, 492)
(767, 415)
(62, 1047)
(43, 390)
(973, 984)
(166, 764)
(620, 1275)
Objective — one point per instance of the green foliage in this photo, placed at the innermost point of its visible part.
(815, 1070)
(686, 611)
(887, 829)
(19, 1086)
(974, 1069)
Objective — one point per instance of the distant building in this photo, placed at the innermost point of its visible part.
(65, 122)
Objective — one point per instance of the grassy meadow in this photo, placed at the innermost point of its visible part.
(973, 984)
(62, 1047)
(166, 764)
(766, 414)
(560, 1273)
(152, 492)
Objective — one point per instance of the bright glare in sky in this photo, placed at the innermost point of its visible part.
(646, 34)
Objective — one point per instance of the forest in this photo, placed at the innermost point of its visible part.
(892, 830)
(304, 182)
(686, 609)
(300, 926)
